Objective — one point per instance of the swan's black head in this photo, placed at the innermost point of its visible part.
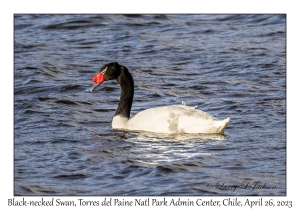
(120, 73)
(109, 71)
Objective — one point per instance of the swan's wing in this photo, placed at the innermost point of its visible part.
(196, 121)
(152, 120)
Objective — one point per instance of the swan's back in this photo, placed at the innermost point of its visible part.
(174, 119)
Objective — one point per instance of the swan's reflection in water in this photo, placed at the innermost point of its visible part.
(181, 137)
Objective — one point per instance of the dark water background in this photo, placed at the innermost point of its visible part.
(227, 65)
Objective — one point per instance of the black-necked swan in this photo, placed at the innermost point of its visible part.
(165, 119)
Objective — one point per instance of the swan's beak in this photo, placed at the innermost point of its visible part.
(98, 79)
(93, 87)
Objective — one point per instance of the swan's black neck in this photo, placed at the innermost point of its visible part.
(127, 90)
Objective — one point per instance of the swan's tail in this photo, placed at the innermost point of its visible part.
(223, 125)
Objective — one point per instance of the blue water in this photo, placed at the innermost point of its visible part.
(227, 65)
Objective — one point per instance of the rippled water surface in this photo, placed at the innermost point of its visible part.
(227, 65)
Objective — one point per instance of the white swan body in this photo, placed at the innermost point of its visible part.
(166, 119)
(171, 119)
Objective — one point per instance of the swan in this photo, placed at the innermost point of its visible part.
(165, 119)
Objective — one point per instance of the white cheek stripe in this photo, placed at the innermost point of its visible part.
(103, 72)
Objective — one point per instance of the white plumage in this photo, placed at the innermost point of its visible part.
(171, 119)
